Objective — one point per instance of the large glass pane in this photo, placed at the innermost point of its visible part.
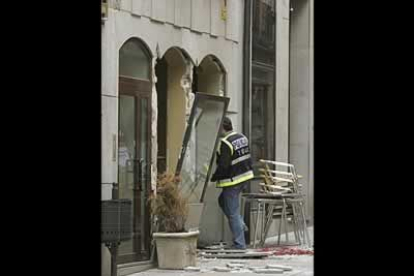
(264, 18)
(200, 143)
(144, 164)
(126, 156)
(133, 61)
(263, 81)
(263, 116)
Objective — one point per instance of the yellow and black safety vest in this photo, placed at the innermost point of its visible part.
(240, 169)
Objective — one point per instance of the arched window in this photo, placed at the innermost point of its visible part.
(134, 61)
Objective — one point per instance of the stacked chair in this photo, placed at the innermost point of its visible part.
(280, 198)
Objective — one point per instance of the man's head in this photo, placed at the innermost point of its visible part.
(227, 125)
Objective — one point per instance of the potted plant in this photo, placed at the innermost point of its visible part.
(176, 247)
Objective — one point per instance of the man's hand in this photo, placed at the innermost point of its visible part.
(213, 178)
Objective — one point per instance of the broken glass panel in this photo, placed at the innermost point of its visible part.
(199, 146)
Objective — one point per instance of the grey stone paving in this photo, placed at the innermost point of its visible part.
(302, 265)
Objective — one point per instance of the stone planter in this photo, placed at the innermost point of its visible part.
(176, 250)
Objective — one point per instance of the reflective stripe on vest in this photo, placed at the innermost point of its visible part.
(227, 142)
(244, 157)
(236, 180)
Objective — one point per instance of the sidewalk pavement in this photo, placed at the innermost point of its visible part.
(291, 237)
(302, 265)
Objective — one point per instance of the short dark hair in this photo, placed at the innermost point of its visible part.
(227, 125)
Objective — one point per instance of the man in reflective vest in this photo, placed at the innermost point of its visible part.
(234, 169)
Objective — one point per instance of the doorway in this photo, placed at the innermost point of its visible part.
(134, 151)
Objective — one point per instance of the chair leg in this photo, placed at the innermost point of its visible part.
(305, 227)
(264, 222)
(268, 222)
(279, 232)
(262, 214)
(282, 220)
(301, 217)
(295, 226)
(257, 225)
(300, 223)
(285, 221)
(300, 220)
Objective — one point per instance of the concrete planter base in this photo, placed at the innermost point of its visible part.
(176, 250)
